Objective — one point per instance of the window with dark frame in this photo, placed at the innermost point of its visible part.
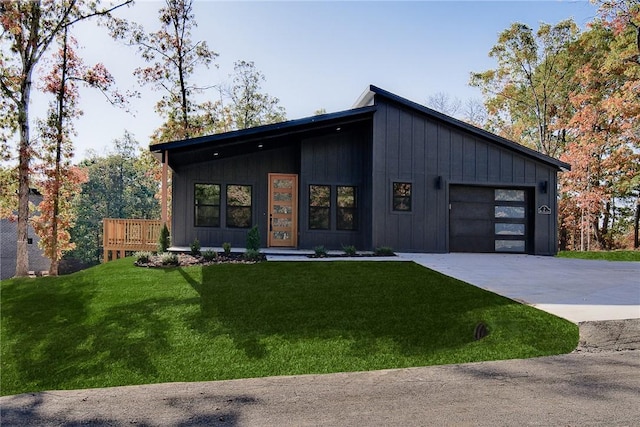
(347, 208)
(207, 205)
(319, 207)
(239, 206)
(402, 196)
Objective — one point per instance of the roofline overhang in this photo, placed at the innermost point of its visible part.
(269, 131)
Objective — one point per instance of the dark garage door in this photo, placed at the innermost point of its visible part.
(484, 219)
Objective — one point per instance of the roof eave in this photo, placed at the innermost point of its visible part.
(269, 130)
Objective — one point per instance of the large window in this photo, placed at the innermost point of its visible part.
(207, 205)
(239, 206)
(319, 207)
(346, 215)
(402, 196)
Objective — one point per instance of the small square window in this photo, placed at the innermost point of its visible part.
(402, 196)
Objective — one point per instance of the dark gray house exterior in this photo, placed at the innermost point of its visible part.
(388, 172)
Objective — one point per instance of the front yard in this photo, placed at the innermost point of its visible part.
(116, 324)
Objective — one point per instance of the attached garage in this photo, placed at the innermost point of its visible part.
(489, 219)
(387, 173)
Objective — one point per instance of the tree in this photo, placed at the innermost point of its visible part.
(173, 59)
(249, 106)
(444, 103)
(120, 185)
(60, 179)
(604, 183)
(471, 111)
(28, 29)
(528, 90)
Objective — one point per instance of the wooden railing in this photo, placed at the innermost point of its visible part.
(126, 235)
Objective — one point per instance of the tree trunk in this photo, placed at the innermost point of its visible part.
(24, 157)
(636, 243)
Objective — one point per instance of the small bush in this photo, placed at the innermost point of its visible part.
(349, 250)
(383, 251)
(163, 240)
(253, 239)
(209, 255)
(320, 251)
(252, 255)
(226, 246)
(195, 247)
(142, 257)
(169, 258)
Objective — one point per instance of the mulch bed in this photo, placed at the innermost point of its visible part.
(186, 260)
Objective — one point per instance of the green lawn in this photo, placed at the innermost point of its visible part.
(116, 324)
(602, 255)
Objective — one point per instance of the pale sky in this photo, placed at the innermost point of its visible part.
(317, 54)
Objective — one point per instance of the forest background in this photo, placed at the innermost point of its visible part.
(572, 93)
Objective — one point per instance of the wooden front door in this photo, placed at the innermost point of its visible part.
(283, 210)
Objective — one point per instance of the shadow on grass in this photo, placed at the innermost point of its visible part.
(58, 342)
(416, 311)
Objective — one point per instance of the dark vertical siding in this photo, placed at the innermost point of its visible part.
(250, 169)
(411, 147)
(340, 158)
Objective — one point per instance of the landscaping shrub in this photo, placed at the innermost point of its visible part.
(349, 250)
(169, 258)
(383, 251)
(226, 246)
(209, 255)
(142, 256)
(163, 240)
(252, 255)
(253, 239)
(195, 247)
(320, 251)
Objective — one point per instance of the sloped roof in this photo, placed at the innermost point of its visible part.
(363, 109)
(368, 99)
(270, 131)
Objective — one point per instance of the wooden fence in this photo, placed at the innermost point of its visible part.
(128, 235)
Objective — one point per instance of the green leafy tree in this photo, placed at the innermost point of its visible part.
(172, 59)
(28, 29)
(120, 185)
(527, 92)
(251, 107)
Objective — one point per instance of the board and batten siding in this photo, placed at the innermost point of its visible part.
(409, 146)
(249, 169)
(341, 158)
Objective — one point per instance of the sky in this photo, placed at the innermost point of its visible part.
(315, 54)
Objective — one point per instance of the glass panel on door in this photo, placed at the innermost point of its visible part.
(283, 207)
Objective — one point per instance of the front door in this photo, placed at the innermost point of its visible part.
(283, 210)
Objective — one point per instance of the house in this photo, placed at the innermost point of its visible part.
(388, 172)
(8, 245)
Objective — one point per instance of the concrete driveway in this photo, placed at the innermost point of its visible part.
(577, 290)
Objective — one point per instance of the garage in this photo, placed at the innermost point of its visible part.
(489, 219)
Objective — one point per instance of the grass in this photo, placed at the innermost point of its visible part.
(116, 324)
(602, 255)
